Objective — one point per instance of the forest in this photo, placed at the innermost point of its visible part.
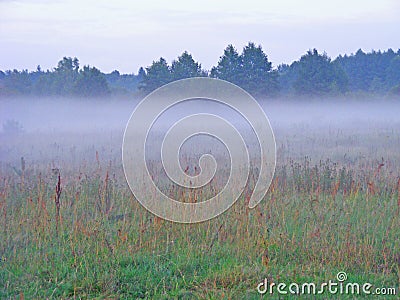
(315, 74)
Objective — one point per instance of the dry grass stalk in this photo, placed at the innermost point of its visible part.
(57, 201)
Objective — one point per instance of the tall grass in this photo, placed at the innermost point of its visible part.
(71, 228)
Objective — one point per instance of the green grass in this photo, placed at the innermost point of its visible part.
(318, 218)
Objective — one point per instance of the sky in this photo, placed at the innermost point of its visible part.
(125, 35)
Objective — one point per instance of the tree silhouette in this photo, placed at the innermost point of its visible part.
(91, 83)
(185, 67)
(317, 75)
(229, 66)
(157, 74)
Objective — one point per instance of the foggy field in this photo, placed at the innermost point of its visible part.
(342, 130)
(333, 205)
(136, 161)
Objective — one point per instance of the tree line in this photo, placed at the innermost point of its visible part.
(314, 74)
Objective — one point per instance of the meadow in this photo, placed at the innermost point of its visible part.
(71, 228)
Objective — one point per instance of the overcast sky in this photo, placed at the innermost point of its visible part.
(125, 35)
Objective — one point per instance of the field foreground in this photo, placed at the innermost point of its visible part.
(333, 207)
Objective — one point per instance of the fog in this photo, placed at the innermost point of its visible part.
(323, 128)
(77, 115)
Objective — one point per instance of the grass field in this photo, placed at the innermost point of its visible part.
(333, 206)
